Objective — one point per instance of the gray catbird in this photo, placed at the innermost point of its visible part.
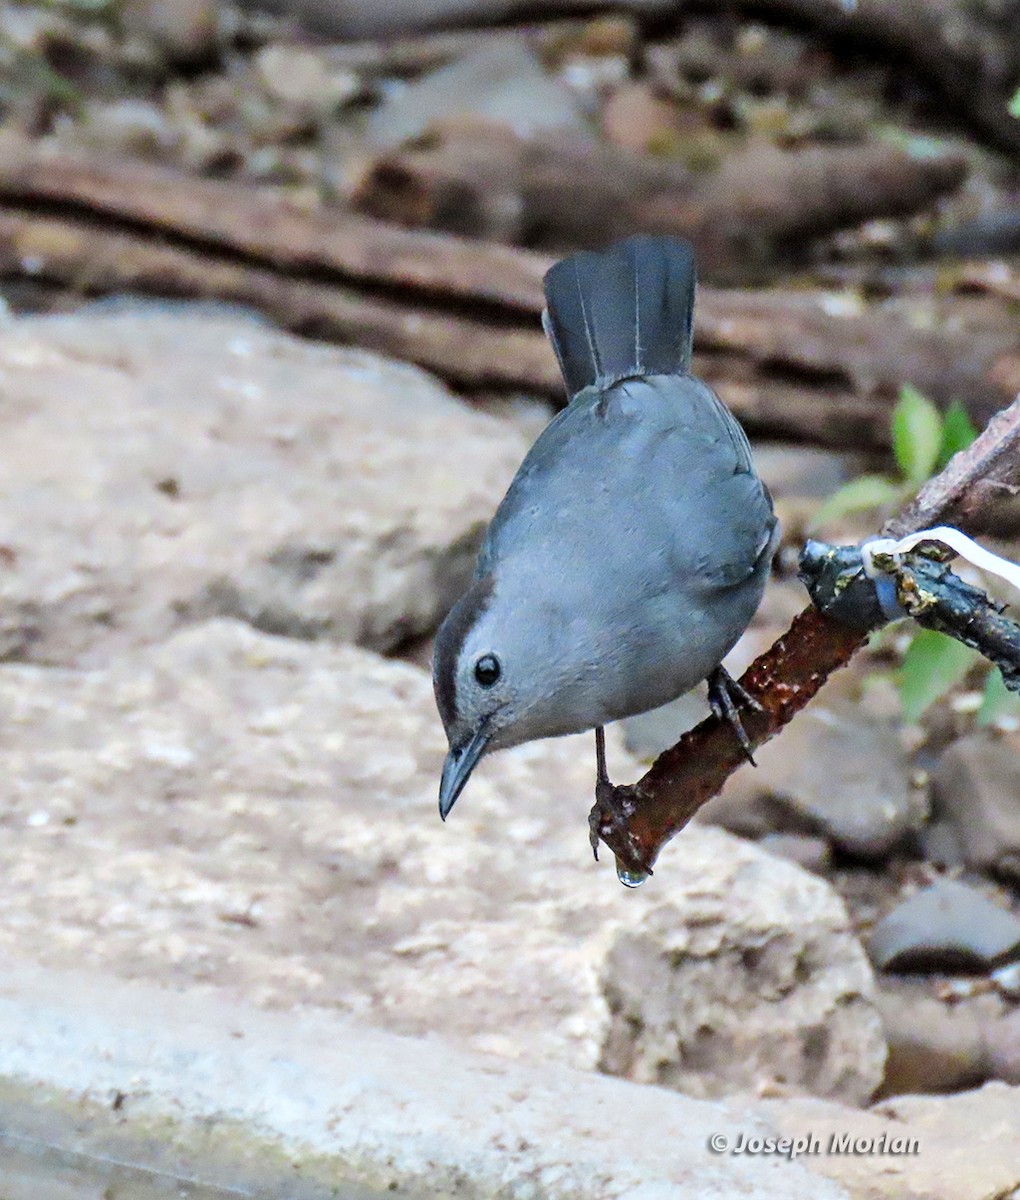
(633, 545)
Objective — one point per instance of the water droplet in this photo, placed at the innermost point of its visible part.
(631, 879)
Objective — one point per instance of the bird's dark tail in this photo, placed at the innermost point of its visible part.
(628, 310)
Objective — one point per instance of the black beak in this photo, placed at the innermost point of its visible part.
(460, 762)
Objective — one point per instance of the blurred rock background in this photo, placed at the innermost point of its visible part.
(270, 354)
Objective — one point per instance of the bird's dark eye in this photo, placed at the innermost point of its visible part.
(487, 670)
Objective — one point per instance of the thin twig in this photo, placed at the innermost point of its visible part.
(938, 599)
(917, 584)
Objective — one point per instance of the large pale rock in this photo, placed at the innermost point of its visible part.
(174, 463)
(711, 987)
(260, 812)
(210, 1094)
(1003, 1044)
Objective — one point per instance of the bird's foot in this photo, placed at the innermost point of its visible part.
(609, 814)
(726, 696)
(609, 821)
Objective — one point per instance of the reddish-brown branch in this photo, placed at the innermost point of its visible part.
(790, 672)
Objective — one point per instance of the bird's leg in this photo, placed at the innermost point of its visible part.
(605, 809)
(601, 774)
(725, 696)
(611, 809)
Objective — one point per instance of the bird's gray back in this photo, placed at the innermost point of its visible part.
(650, 469)
(637, 527)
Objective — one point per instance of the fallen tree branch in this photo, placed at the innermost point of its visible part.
(787, 362)
(638, 819)
(836, 397)
(757, 205)
(783, 334)
(263, 224)
(97, 261)
(412, 55)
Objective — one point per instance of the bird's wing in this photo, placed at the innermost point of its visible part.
(648, 484)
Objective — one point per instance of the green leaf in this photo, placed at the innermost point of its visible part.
(933, 664)
(859, 495)
(957, 432)
(1014, 105)
(917, 435)
(998, 701)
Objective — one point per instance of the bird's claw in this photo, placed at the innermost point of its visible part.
(726, 696)
(608, 814)
(609, 822)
